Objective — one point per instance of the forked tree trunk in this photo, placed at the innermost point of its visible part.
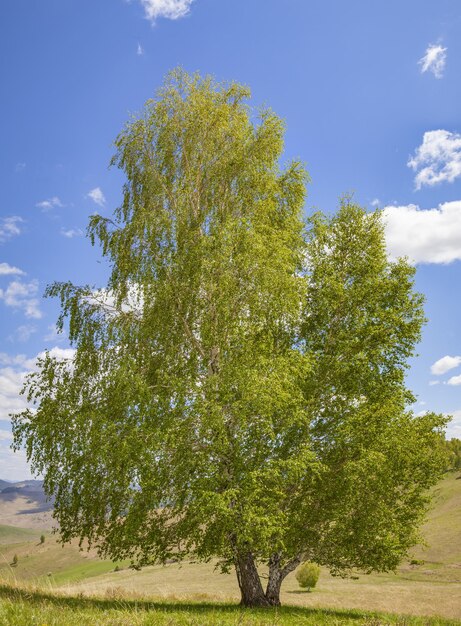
(249, 581)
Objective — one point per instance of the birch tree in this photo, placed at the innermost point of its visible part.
(238, 387)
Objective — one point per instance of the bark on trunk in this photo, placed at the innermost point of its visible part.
(275, 581)
(249, 582)
(277, 574)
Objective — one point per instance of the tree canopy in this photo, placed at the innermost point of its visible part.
(238, 387)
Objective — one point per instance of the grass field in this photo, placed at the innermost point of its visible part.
(19, 607)
(12, 534)
(429, 587)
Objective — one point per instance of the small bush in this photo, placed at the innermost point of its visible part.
(14, 561)
(307, 575)
(42, 539)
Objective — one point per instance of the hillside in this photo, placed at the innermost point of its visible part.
(24, 504)
(428, 584)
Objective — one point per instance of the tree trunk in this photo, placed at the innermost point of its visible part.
(277, 575)
(249, 581)
(275, 581)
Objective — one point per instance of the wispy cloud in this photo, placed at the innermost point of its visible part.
(71, 232)
(454, 380)
(50, 203)
(97, 196)
(23, 333)
(171, 9)
(437, 159)
(434, 60)
(55, 336)
(7, 270)
(424, 236)
(139, 50)
(445, 364)
(9, 227)
(19, 295)
(19, 167)
(5, 435)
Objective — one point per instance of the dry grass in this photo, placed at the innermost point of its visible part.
(201, 581)
(20, 606)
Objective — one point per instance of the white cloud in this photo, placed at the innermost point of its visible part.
(425, 236)
(6, 270)
(434, 60)
(434, 382)
(437, 159)
(12, 374)
(9, 227)
(54, 335)
(50, 203)
(8, 359)
(139, 50)
(454, 380)
(13, 370)
(375, 202)
(71, 232)
(23, 333)
(20, 295)
(105, 299)
(171, 9)
(64, 354)
(445, 364)
(454, 427)
(11, 382)
(97, 196)
(13, 465)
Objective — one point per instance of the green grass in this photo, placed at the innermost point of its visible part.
(19, 607)
(12, 534)
(50, 560)
(83, 571)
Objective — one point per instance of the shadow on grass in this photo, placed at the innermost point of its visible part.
(168, 606)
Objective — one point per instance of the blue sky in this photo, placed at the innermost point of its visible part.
(370, 94)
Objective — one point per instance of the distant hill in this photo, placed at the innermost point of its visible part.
(24, 504)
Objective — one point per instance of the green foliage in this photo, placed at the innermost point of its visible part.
(238, 388)
(15, 561)
(42, 539)
(453, 448)
(307, 575)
